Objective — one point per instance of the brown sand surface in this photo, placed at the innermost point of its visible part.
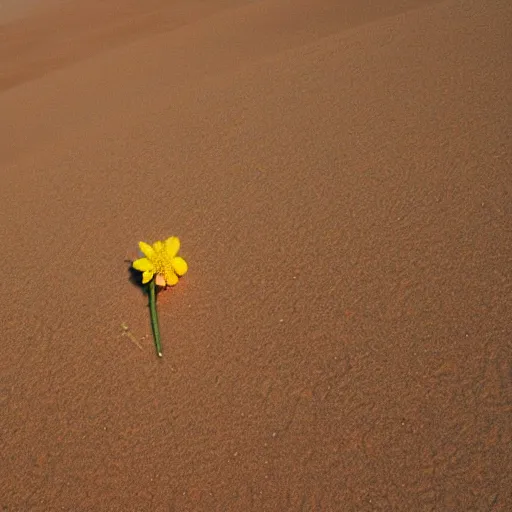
(339, 173)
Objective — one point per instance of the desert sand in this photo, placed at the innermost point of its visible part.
(339, 173)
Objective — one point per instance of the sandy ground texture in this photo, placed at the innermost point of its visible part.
(339, 173)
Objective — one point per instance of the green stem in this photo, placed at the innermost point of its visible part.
(154, 317)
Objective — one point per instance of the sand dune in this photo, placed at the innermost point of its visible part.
(339, 175)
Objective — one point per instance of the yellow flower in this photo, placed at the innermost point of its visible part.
(161, 259)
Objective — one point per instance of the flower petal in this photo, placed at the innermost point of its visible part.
(147, 250)
(170, 277)
(142, 264)
(160, 280)
(158, 247)
(179, 265)
(147, 276)
(172, 246)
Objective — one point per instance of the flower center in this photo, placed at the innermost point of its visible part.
(162, 263)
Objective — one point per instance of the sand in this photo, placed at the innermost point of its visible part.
(339, 176)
